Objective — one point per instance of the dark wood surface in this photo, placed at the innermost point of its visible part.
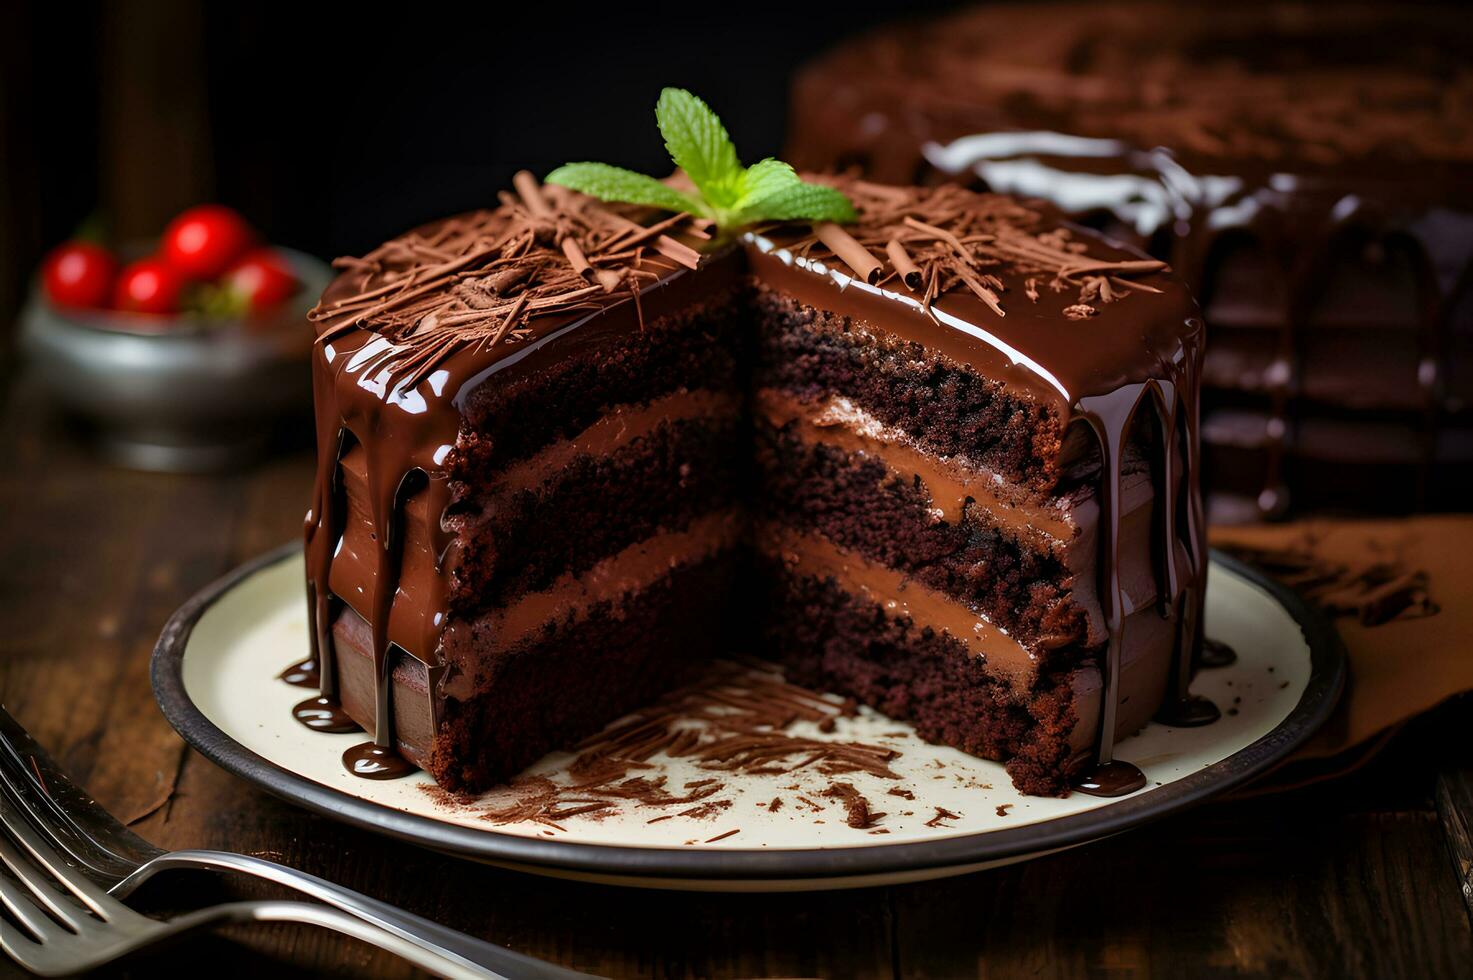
(1366, 876)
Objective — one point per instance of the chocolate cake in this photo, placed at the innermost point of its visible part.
(941, 459)
(1308, 169)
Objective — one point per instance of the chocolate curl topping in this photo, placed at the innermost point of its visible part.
(531, 194)
(904, 266)
(866, 267)
(479, 280)
(946, 238)
(678, 252)
(577, 259)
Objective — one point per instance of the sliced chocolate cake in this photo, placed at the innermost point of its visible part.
(940, 458)
(1307, 169)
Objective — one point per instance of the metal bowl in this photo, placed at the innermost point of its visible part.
(180, 394)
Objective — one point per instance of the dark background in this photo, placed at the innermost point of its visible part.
(332, 127)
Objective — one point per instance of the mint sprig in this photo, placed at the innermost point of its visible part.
(732, 196)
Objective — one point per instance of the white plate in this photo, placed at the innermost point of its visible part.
(215, 675)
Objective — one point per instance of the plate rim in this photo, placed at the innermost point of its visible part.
(1328, 671)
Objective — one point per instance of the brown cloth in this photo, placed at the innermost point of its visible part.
(1400, 593)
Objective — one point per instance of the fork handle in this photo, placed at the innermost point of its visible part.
(438, 962)
(407, 927)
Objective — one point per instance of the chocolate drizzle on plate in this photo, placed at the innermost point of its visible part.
(1111, 779)
(302, 674)
(373, 761)
(323, 714)
(1216, 654)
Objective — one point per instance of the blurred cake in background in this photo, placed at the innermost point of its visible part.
(1307, 169)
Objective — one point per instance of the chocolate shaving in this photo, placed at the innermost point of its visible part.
(856, 806)
(478, 280)
(942, 814)
(946, 238)
(481, 280)
(864, 265)
(905, 267)
(576, 258)
(678, 252)
(531, 194)
(731, 720)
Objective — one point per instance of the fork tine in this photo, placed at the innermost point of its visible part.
(41, 889)
(48, 860)
(63, 812)
(27, 952)
(24, 907)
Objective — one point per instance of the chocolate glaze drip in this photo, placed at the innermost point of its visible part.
(1296, 141)
(1104, 357)
(399, 403)
(1182, 569)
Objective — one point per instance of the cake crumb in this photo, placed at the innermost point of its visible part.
(1003, 808)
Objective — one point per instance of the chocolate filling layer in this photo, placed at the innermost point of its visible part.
(859, 503)
(595, 504)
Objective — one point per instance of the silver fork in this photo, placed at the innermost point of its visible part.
(79, 926)
(72, 841)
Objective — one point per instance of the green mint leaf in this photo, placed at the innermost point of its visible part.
(610, 183)
(728, 193)
(765, 179)
(797, 202)
(700, 146)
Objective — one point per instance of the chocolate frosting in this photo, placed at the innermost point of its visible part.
(1097, 334)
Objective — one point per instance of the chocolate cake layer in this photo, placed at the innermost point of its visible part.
(1309, 179)
(700, 348)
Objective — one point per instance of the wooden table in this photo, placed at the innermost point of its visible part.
(1358, 878)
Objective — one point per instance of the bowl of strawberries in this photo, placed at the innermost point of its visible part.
(188, 353)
